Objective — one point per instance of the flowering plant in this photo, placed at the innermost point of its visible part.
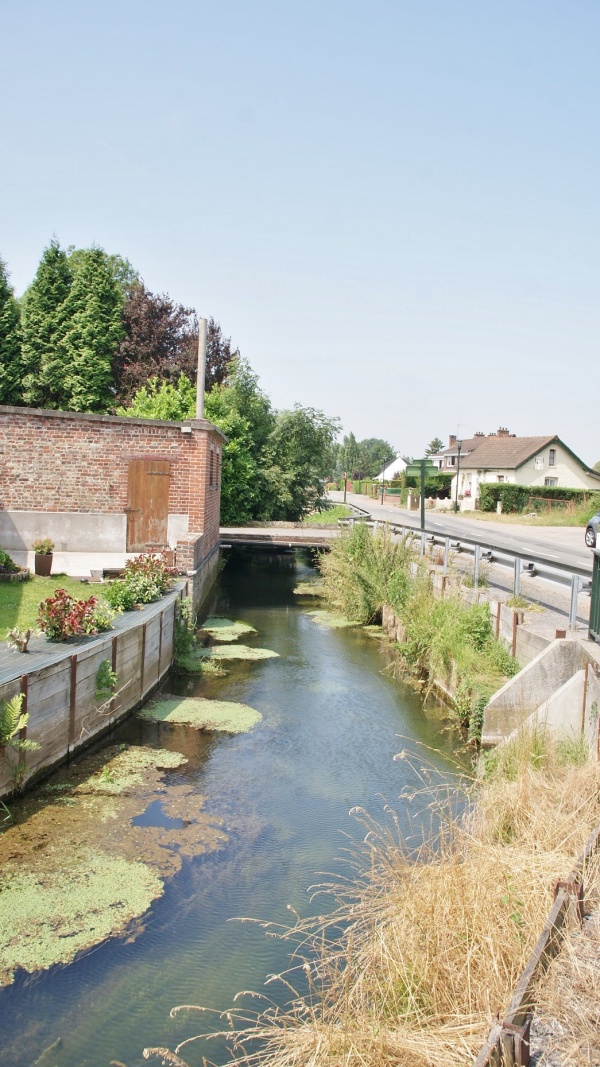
(43, 547)
(61, 616)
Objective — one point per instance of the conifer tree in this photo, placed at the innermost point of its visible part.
(10, 342)
(77, 375)
(43, 321)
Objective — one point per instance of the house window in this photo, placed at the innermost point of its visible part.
(452, 461)
(539, 463)
(212, 467)
(550, 481)
(501, 478)
(552, 457)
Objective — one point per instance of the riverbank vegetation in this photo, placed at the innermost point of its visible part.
(446, 642)
(434, 938)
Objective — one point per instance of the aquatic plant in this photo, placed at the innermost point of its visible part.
(200, 713)
(226, 630)
(235, 652)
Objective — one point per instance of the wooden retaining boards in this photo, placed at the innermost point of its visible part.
(508, 1043)
(60, 682)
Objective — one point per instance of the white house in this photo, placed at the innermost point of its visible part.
(391, 470)
(504, 457)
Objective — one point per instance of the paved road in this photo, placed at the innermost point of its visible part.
(561, 544)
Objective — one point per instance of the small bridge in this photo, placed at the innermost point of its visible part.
(284, 535)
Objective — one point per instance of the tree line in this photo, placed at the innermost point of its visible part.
(88, 335)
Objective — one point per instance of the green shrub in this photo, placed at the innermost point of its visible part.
(7, 564)
(120, 595)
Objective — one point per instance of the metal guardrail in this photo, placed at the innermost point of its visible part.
(578, 577)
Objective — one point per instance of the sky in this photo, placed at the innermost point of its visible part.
(391, 206)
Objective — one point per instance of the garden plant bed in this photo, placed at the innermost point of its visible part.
(22, 575)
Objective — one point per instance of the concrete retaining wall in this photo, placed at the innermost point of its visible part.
(548, 689)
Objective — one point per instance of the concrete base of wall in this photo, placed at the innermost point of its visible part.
(552, 689)
(73, 531)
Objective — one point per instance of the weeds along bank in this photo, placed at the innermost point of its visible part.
(445, 642)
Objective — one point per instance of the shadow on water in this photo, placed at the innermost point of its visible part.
(332, 722)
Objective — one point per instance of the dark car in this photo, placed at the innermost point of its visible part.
(591, 530)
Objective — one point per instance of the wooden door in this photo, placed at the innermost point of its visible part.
(147, 504)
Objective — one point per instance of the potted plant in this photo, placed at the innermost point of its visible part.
(43, 556)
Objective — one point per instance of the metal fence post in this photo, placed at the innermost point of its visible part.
(517, 578)
(422, 549)
(575, 586)
(476, 567)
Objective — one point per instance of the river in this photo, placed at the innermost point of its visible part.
(332, 722)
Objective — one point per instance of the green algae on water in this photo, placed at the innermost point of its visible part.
(235, 652)
(224, 630)
(48, 920)
(203, 714)
(75, 869)
(309, 589)
(330, 619)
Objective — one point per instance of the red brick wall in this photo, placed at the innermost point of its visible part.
(71, 462)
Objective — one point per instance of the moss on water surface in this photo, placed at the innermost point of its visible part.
(331, 619)
(75, 871)
(203, 714)
(93, 896)
(235, 652)
(224, 630)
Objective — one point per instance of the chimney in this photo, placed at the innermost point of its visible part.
(479, 433)
(451, 440)
(502, 432)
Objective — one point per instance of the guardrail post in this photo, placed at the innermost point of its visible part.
(574, 594)
(594, 630)
(517, 577)
(476, 567)
(446, 554)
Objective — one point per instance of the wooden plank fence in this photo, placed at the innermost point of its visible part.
(59, 683)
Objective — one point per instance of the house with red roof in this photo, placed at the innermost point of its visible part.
(504, 457)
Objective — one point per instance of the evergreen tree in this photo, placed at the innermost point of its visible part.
(10, 342)
(43, 321)
(77, 373)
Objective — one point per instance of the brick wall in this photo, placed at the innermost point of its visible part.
(77, 464)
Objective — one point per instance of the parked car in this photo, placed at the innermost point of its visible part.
(591, 530)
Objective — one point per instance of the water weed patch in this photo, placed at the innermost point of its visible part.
(83, 872)
(225, 630)
(202, 714)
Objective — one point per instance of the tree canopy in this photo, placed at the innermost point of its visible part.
(274, 463)
(10, 341)
(435, 445)
(92, 334)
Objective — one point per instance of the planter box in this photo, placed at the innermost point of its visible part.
(15, 576)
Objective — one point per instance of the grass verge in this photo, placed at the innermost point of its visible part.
(19, 601)
(328, 517)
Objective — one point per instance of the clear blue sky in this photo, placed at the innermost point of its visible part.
(391, 206)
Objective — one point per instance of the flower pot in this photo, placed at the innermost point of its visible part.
(43, 564)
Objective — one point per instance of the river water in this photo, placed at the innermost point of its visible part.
(332, 722)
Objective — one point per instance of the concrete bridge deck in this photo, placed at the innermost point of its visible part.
(289, 536)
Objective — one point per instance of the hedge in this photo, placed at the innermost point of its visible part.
(516, 497)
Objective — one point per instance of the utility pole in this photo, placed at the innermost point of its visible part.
(200, 381)
(422, 463)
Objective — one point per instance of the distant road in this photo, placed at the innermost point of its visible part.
(562, 544)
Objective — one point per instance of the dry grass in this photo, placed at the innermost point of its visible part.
(432, 942)
(567, 1023)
